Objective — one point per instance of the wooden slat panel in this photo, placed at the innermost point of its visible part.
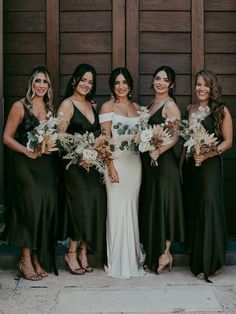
(101, 62)
(22, 64)
(99, 21)
(85, 5)
(228, 83)
(181, 63)
(53, 44)
(231, 104)
(197, 39)
(164, 5)
(220, 21)
(15, 85)
(24, 22)
(220, 43)
(157, 21)
(102, 84)
(165, 42)
(118, 33)
(219, 5)
(132, 50)
(183, 84)
(24, 43)
(85, 43)
(26, 5)
(221, 63)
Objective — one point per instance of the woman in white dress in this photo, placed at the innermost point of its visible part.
(124, 256)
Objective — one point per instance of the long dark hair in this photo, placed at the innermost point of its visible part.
(76, 77)
(48, 97)
(125, 72)
(215, 103)
(171, 77)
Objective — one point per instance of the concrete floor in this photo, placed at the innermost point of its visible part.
(175, 292)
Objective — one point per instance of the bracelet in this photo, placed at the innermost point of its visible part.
(219, 151)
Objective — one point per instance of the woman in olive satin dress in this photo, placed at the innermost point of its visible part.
(203, 185)
(85, 195)
(161, 217)
(33, 218)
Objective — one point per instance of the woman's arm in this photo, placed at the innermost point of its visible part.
(14, 119)
(66, 108)
(227, 134)
(170, 111)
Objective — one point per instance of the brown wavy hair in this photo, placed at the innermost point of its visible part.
(215, 103)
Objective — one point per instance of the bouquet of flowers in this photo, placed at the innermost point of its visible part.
(87, 149)
(127, 133)
(151, 138)
(200, 142)
(42, 139)
(197, 139)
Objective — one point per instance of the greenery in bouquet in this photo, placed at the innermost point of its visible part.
(42, 139)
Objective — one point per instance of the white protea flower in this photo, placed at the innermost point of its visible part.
(144, 147)
(146, 135)
(89, 154)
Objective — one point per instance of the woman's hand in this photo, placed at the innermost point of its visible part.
(85, 164)
(200, 158)
(29, 154)
(154, 154)
(113, 174)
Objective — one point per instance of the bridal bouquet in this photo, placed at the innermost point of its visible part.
(87, 149)
(127, 134)
(42, 139)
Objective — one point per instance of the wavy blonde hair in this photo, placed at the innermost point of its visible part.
(48, 97)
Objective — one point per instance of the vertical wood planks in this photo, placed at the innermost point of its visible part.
(118, 33)
(132, 43)
(52, 34)
(197, 38)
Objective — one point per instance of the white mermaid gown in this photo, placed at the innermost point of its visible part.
(124, 255)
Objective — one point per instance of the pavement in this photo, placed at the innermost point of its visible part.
(170, 292)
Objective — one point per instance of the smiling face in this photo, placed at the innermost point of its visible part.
(121, 87)
(85, 85)
(40, 85)
(161, 83)
(202, 89)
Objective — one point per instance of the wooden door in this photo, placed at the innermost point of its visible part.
(140, 34)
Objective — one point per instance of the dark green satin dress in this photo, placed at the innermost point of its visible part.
(33, 218)
(203, 199)
(85, 195)
(161, 214)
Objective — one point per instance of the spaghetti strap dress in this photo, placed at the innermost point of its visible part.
(33, 218)
(204, 207)
(161, 215)
(85, 195)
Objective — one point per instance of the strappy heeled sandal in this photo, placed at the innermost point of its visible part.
(87, 268)
(37, 267)
(73, 270)
(26, 270)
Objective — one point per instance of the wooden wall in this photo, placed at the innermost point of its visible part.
(139, 34)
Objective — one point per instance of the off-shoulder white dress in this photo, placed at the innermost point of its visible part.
(125, 258)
